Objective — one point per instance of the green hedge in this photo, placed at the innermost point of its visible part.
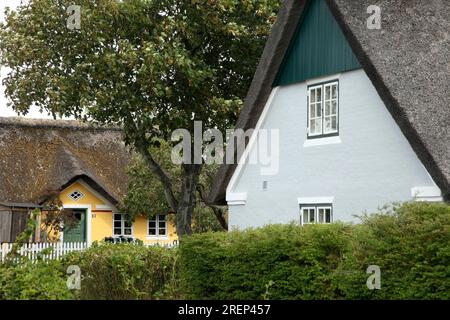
(33, 281)
(410, 244)
(125, 272)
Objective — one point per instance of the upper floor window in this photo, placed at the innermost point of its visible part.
(122, 227)
(316, 214)
(323, 109)
(157, 227)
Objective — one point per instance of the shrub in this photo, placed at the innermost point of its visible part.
(276, 262)
(410, 243)
(125, 271)
(41, 280)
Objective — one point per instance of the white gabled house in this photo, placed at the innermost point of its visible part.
(363, 115)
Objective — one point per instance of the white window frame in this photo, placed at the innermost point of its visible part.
(308, 208)
(122, 226)
(323, 132)
(157, 227)
(316, 209)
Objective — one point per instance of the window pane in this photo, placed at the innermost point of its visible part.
(328, 216)
(334, 92)
(162, 224)
(333, 107)
(128, 231)
(327, 92)
(319, 109)
(318, 126)
(320, 218)
(319, 94)
(312, 215)
(162, 231)
(117, 231)
(312, 126)
(327, 124)
(312, 111)
(152, 224)
(334, 123)
(312, 95)
(162, 217)
(117, 216)
(305, 216)
(327, 108)
(152, 231)
(127, 224)
(117, 224)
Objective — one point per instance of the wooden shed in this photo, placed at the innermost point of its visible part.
(13, 219)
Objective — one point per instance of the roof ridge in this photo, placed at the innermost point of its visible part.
(53, 124)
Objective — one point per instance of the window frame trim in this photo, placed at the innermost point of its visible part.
(122, 227)
(322, 85)
(316, 207)
(157, 236)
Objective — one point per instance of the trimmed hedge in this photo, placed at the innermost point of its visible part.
(33, 281)
(410, 243)
(125, 272)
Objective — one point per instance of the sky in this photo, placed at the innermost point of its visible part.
(4, 110)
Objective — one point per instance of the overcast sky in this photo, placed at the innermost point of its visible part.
(4, 110)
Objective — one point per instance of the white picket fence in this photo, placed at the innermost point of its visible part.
(32, 250)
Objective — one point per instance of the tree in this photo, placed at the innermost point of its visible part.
(148, 66)
(146, 193)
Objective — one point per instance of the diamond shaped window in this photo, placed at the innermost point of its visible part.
(76, 195)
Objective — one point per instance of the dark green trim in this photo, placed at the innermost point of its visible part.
(318, 47)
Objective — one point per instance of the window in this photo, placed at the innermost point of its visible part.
(121, 226)
(316, 214)
(76, 195)
(323, 109)
(157, 227)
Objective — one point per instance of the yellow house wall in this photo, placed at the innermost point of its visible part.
(102, 221)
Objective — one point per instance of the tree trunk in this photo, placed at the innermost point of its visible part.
(187, 201)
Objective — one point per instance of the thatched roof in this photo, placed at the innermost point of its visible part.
(407, 60)
(39, 157)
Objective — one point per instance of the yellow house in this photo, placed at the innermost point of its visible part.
(85, 167)
(100, 219)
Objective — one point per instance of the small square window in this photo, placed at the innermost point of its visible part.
(122, 227)
(157, 226)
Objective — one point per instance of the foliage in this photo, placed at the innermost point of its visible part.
(41, 280)
(150, 67)
(146, 193)
(55, 218)
(410, 243)
(125, 271)
(280, 262)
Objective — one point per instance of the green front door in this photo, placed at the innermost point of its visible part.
(76, 233)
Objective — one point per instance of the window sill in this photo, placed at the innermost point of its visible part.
(322, 141)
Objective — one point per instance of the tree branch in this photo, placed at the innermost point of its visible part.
(156, 169)
(218, 212)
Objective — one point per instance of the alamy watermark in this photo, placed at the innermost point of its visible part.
(374, 280)
(374, 20)
(210, 146)
(73, 277)
(74, 19)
